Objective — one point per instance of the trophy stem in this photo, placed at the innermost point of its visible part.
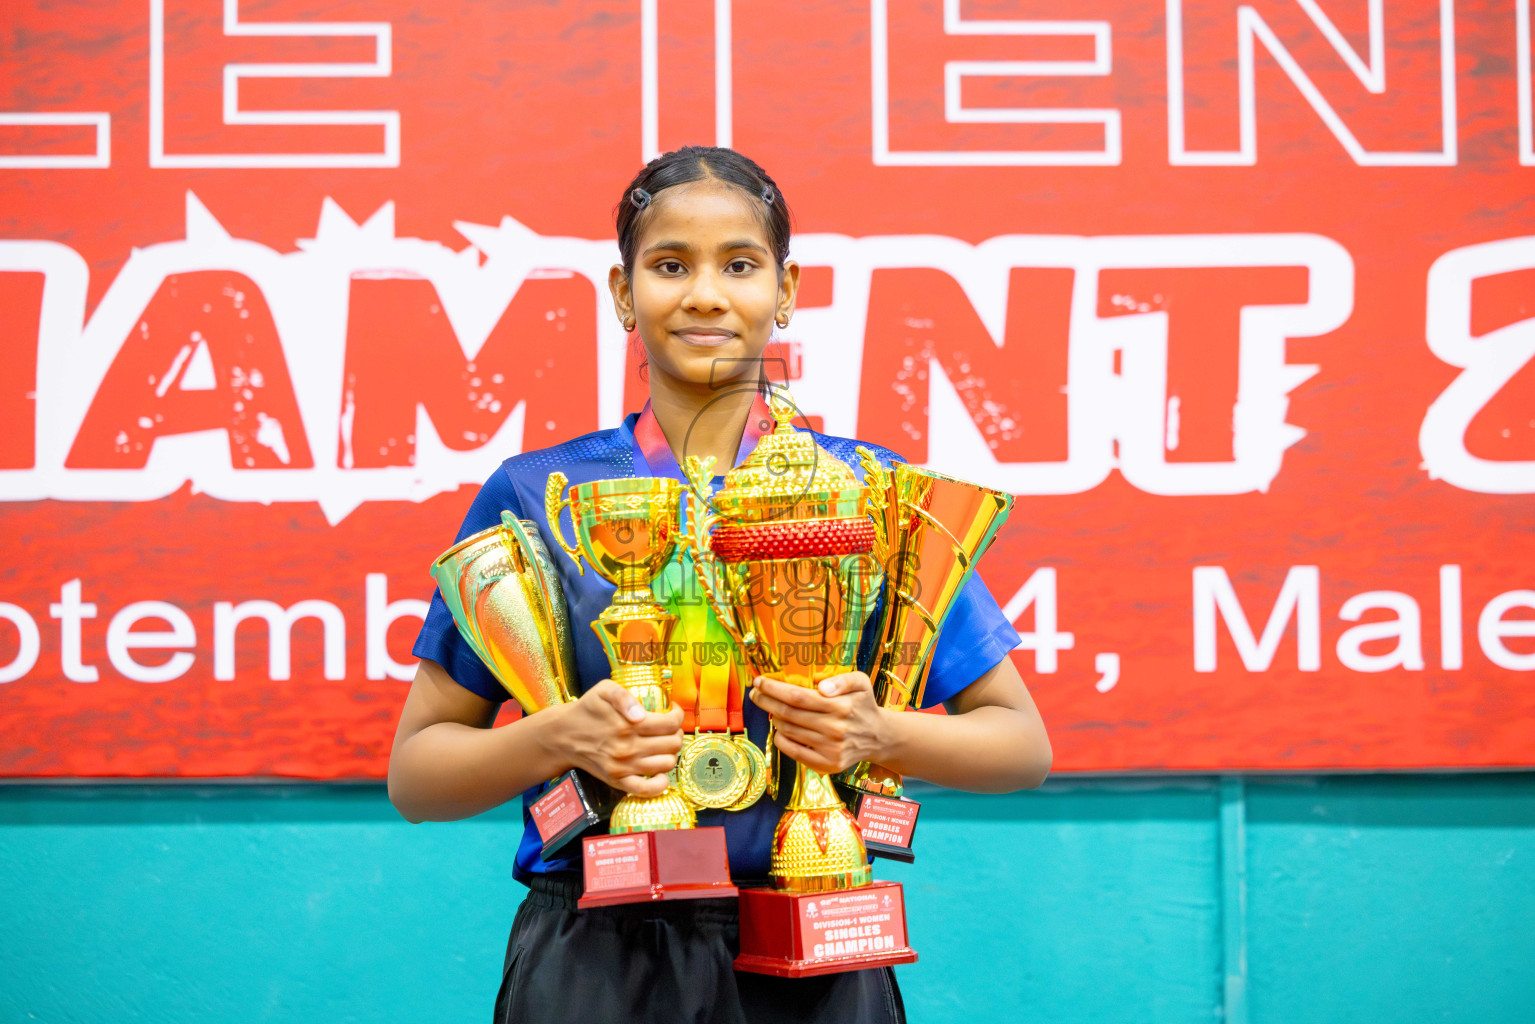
(651, 687)
(813, 792)
(645, 683)
(633, 587)
(635, 638)
(639, 666)
(817, 847)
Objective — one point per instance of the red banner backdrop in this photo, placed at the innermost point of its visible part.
(1238, 299)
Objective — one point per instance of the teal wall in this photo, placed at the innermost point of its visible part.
(1258, 901)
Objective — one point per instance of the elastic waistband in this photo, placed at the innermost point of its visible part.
(559, 890)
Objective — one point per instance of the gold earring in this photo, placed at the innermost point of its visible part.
(628, 325)
(782, 321)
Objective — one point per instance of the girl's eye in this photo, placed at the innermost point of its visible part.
(739, 266)
(670, 267)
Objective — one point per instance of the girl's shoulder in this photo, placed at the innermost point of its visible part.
(603, 449)
(519, 482)
(846, 450)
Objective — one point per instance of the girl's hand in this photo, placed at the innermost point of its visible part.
(607, 733)
(829, 728)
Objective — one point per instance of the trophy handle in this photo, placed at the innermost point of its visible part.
(876, 479)
(954, 543)
(699, 470)
(554, 500)
(723, 612)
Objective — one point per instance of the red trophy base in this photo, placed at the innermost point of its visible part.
(799, 934)
(637, 867)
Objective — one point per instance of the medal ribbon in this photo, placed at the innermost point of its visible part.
(706, 676)
(655, 452)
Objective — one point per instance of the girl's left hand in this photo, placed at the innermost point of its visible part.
(829, 728)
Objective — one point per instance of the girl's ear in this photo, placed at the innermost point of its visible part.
(788, 288)
(623, 296)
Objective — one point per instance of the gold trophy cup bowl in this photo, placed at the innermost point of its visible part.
(626, 530)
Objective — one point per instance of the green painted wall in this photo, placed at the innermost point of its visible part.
(1256, 901)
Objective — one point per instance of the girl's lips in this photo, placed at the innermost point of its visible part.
(705, 339)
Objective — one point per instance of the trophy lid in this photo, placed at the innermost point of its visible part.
(789, 477)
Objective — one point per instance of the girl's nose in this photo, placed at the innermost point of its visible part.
(706, 294)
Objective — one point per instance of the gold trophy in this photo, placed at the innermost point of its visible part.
(627, 530)
(933, 529)
(788, 568)
(787, 555)
(508, 604)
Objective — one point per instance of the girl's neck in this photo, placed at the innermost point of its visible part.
(701, 420)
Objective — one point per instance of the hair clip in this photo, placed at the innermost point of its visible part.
(768, 195)
(640, 198)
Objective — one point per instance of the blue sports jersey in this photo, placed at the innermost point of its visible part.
(976, 636)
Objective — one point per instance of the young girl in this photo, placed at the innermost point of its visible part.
(703, 235)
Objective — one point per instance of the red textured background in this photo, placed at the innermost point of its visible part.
(531, 109)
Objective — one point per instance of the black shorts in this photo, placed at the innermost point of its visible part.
(664, 963)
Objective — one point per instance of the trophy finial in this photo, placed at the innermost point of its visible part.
(782, 404)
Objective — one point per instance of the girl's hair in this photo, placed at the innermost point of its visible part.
(700, 163)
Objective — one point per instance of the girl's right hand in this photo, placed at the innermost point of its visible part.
(607, 732)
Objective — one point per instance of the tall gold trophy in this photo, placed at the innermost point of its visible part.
(933, 529)
(508, 604)
(627, 530)
(787, 555)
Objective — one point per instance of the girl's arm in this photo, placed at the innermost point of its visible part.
(991, 741)
(448, 762)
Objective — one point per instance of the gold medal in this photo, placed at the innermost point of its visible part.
(713, 772)
(759, 772)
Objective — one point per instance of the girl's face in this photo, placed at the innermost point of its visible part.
(705, 290)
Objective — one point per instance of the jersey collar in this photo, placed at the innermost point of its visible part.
(653, 455)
